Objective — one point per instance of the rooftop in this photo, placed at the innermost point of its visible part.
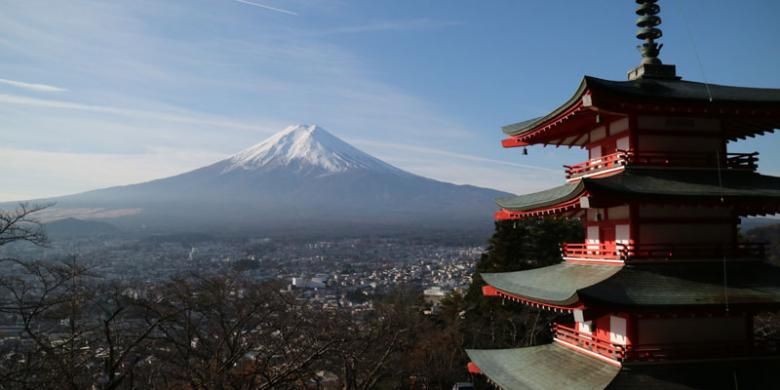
(648, 285)
(548, 366)
(648, 94)
(678, 184)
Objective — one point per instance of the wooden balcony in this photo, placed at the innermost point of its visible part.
(597, 165)
(663, 251)
(623, 158)
(661, 352)
(587, 341)
(585, 251)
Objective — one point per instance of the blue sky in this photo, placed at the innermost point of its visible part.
(96, 93)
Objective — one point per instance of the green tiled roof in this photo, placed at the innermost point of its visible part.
(756, 373)
(688, 284)
(540, 199)
(552, 366)
(656, 182)
(679, 90)
(556, 284)
(699, 183)
(543, 367)
(683, 90)
(679, 283)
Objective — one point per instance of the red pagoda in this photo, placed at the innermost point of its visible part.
(663, 292)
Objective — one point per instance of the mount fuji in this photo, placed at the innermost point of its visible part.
(300, 179)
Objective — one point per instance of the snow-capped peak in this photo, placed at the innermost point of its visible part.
(305, 147)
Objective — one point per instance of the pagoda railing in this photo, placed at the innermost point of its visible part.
(588, 341)
(595, 165)
(663, 251)
(665, 351)
(622, 158)
(589, 251)
(748, 161)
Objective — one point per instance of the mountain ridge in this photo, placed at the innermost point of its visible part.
(300, 178)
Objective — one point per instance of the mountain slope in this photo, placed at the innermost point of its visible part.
(300, 178)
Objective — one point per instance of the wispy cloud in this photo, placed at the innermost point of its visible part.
(461, 156)
(463, 168)
(268, 7)
(394, 25)
(32, 86)
(155, 115)
(60, 173)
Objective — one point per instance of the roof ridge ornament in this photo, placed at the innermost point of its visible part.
(648, 31)
(648, 22)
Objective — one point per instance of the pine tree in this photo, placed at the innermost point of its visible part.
(515, 246)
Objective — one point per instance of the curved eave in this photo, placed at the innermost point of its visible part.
(554, 285)
(750, 192)
(549, 366)
(683, 91)
(567, 206)
(542, 199)
(746, 111)
(527, 126)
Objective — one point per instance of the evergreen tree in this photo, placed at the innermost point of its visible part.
(515, 246)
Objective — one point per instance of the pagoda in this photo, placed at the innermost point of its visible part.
(663, 292)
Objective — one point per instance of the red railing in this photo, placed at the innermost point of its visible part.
(621, 158)
(663, 251)
(594, 251)
(667, 351)
(617, 159)
(588, 341)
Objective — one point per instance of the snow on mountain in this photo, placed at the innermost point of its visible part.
(305, 148)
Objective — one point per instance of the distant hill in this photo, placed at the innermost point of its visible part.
(301, 179)
(71, 227)
(750, 223)
(769, 234)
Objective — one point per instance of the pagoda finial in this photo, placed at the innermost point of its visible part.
(648, 22)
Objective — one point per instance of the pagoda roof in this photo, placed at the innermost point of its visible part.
(714, 374)
(540, 199)
(696, 183)
(683, 90)
(676, 284)
(657, 183)
(556, 284)
(614, 97)
(553, 366)
(668, 284)
(549, 366)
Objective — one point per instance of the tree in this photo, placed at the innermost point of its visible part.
(21, 224)
(227, 332)
(515, 245)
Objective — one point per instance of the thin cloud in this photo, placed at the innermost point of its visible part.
(462, 156)
(32, 86)
(268, 7)
(161, 116)
(394, 25)
(60, 173)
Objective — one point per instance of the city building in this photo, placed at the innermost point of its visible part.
(662, 293)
